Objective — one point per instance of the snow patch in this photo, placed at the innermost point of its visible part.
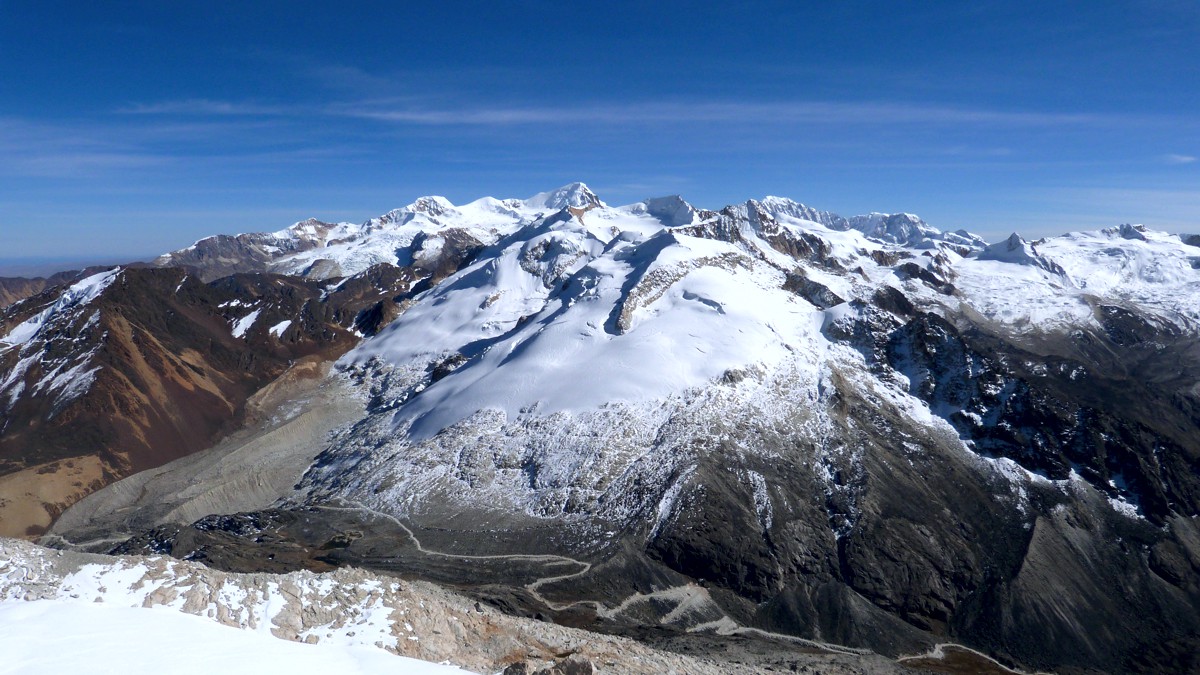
(244, 324)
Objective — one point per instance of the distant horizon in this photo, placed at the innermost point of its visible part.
(164, 122)
(37, 266)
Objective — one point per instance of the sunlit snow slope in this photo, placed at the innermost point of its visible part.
(624, 333)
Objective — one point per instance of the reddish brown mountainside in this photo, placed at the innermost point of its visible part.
(156, 366)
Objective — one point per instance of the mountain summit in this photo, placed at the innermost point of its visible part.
(577, 195)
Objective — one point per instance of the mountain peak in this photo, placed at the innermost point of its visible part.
(1135, 232)
(432, 205)
(575, 194)
(905, 229)
(672, 210)
(1016, 250)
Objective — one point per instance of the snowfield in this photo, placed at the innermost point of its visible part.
(51, 638)
(1047, 285)
(157, 614)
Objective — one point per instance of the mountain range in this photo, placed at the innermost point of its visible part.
(764, 424)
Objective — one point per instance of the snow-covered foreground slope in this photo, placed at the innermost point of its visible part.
(128, 614)
(51, 638)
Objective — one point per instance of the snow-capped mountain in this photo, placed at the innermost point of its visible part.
(861, 430)
(408, 236)
(412, 234)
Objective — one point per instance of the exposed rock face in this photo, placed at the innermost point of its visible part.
(223, 255)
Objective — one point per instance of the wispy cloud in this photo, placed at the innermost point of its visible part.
(56, 151)
(411, 111)
(1178, 159)
(203, 107)
(801, 112)
(644, 186)
(71, 148)
(350, 78)
(970, 151)
(62, 164)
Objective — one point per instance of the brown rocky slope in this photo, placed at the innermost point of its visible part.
(157, 366)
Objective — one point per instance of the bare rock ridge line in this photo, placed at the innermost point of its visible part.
(703, 429)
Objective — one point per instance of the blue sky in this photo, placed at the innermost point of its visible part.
(127, 129)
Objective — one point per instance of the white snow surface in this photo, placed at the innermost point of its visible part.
(123, 615)
(240, 326)
(1043, 285)
(52, 637)
(583, 351)
(408, 234)
(570, 317)
(1129, 264)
